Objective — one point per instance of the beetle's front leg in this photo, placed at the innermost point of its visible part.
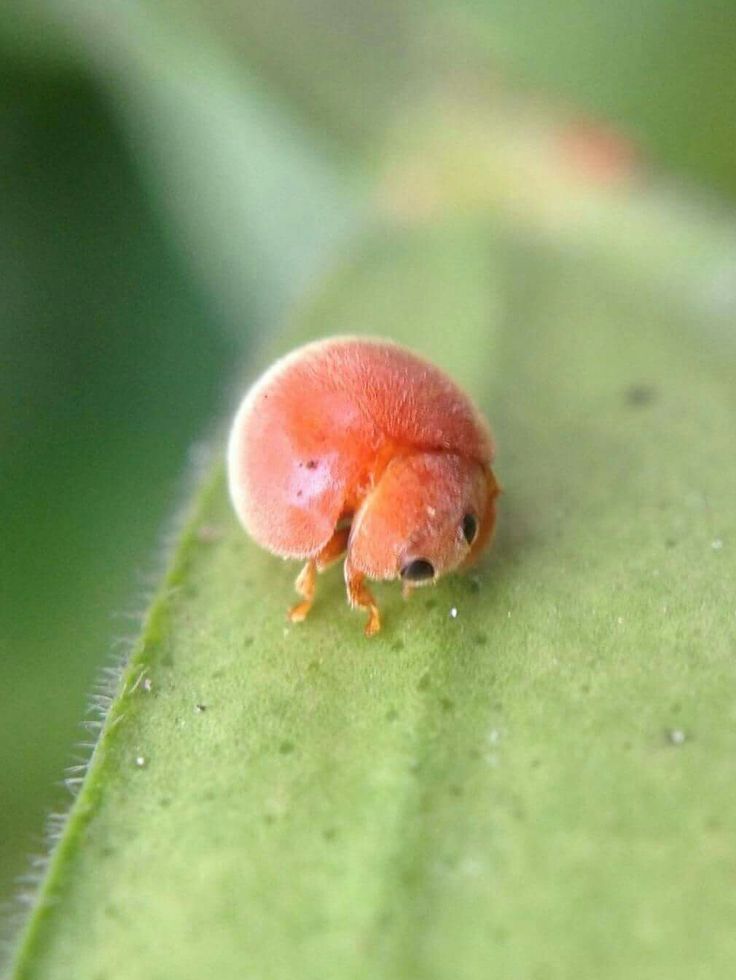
(360, 597)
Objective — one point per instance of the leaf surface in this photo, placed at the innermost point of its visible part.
(532, 769)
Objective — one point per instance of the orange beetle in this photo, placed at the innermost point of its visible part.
(360, 447)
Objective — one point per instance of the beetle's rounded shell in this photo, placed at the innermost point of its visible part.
(315, 432)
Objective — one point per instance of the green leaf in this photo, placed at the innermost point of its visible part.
(532, 769)
(610, 60)
(110, 360)
(255, 201)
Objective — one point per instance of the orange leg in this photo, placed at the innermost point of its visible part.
(305, 585)
(306, 580)
(360, 598)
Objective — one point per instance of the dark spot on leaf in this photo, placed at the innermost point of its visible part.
(430, 604)
(424, 681)
(639, 395)
(392, 714)
(670, 543)
(447, 704)
(397, 645)
(329, 833)
(481, 639)
(311, 464)
(456, 790)
(286, 747)
(199, 708)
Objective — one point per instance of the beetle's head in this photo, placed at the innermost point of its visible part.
(429, 514)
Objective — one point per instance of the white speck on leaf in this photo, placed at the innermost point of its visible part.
(471, 867)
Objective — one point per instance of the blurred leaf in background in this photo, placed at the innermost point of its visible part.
(112, 359)
(662, 70)
(173, 176)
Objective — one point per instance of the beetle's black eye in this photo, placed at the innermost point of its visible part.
(470, 527)
(417, 570)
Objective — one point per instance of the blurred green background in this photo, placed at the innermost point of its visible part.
(172, 175)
